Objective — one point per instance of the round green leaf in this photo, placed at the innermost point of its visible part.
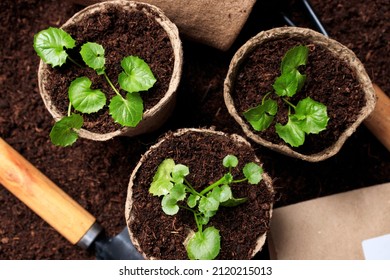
(204, 245)
(203, 220)
(291, 133)
(136, 76)
(261, 116)
(129, 111)
(192, 200)
(253, 172)
(230, 161)
(295, 57)
(178, 192)
(286, 84)
(160, 187)
(85, 99)
(93, 56)
(312, 115)
(208, 204)
(179, 172)
(222, 193)
(49, 44)
(226, 193)
(63, 132)
(169, 205)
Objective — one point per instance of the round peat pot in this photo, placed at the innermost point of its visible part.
(334, 77)
(242, 228)
(123, 28)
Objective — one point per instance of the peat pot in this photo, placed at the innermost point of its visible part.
(334, 77)
(123, 28)
(242, 228)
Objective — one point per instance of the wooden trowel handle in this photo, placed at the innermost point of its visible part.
(42, 196)
(378, 122)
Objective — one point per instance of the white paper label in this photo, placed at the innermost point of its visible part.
(377, 248)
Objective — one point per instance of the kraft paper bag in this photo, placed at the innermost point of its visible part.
(353, 225)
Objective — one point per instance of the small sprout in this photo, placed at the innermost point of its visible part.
(170, 182)
(51, 45)
(310, 116)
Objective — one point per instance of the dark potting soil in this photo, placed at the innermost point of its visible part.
(121, 33)
(162, 236)
(328, 80)
(96, 174)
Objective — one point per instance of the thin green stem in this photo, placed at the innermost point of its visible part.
(111, 84)
(289, 103)
(186, 208)
(239, 181)
(190, 187)
(199, 225)
(265, 96)
(212, 186)
(69, 108)
(75, 62)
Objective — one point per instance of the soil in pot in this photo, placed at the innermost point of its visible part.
(329, 81)
(162, 236)
(122, 33)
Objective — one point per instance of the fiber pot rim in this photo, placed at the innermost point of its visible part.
(333, 46)
(153, 117)
(129, 201)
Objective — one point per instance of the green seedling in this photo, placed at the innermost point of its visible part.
(52, 44)
(170, 182)
(309, 115)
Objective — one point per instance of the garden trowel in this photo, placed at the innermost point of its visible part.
(58, 209)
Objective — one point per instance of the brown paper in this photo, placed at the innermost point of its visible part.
(214, 23)
(331, 227)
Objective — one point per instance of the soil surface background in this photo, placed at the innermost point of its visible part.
(96, 174)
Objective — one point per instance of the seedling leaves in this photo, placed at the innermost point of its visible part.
(192, 200)
(261, 116)
(169, 181)
(178, 192)
(50, 45)
(222, 194)
(208, 204)
(312, 115)
(286, 84)
(63, 132)
(93, 56)
(127, 111)
(136, 76)
(230, 161)
(179, 172)
(161, 184)
(291, 133)
(204, 245)
(233, 202)
(294, 58)
(169, 205)
(85, 99)
(253, 172)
